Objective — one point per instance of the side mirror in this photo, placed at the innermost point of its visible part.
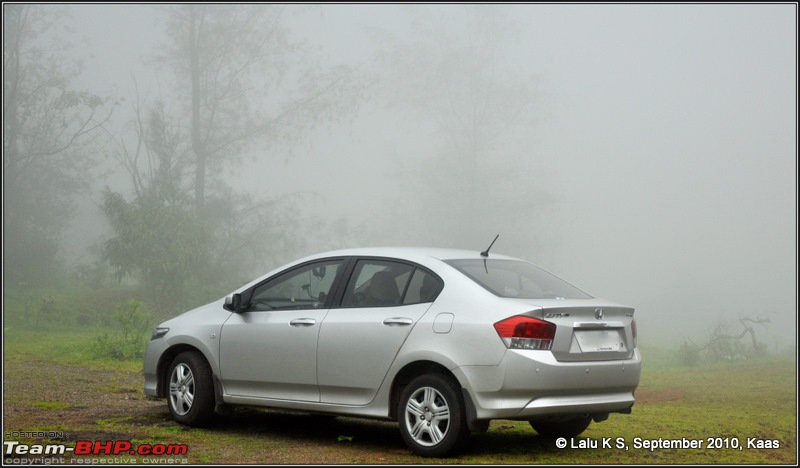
(233, 302)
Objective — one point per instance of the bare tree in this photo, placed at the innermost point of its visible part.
(723, 344)
(232, 61)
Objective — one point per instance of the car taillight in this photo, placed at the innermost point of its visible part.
(633, 331)
(522, 332)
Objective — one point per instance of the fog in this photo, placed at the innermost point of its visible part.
(646, 153)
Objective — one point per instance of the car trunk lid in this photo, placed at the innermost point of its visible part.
(591, 333)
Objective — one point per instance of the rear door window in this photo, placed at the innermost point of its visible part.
(384, 283)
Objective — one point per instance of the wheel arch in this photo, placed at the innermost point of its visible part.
(162, 369)
(411, 371)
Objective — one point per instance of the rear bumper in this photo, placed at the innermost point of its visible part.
(603, 403)
(532, 383)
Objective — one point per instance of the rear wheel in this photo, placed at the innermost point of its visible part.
(431, 416)
(561, 427)
(191, 390)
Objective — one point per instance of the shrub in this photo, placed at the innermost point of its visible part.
(129, 338)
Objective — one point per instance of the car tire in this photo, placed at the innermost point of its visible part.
(431, 416)
(563, 428)
(191, 389)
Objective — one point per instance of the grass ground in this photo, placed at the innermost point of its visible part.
(52, 383)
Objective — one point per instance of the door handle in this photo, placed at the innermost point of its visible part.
(302, 322)
(398, 321)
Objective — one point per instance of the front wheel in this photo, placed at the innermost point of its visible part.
(561, 428)
(431, 416)
(191, 390)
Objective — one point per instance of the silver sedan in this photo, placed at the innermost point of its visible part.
(442, 341)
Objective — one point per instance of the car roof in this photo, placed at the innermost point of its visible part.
(425, 256)
(410, 253)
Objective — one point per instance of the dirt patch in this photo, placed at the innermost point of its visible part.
(49, 396)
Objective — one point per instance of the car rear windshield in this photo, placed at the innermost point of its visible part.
(518, 279)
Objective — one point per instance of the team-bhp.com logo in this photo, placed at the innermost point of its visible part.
(93, 447)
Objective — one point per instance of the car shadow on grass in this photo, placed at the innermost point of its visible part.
(317, 428)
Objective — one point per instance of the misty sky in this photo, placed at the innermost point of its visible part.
(665, 138)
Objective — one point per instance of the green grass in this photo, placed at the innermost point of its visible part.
(71, 346)
(730, 401)
(50, 405)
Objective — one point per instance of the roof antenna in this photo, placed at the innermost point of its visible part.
(485, 253)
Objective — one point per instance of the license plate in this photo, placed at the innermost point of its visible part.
(598, 341)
